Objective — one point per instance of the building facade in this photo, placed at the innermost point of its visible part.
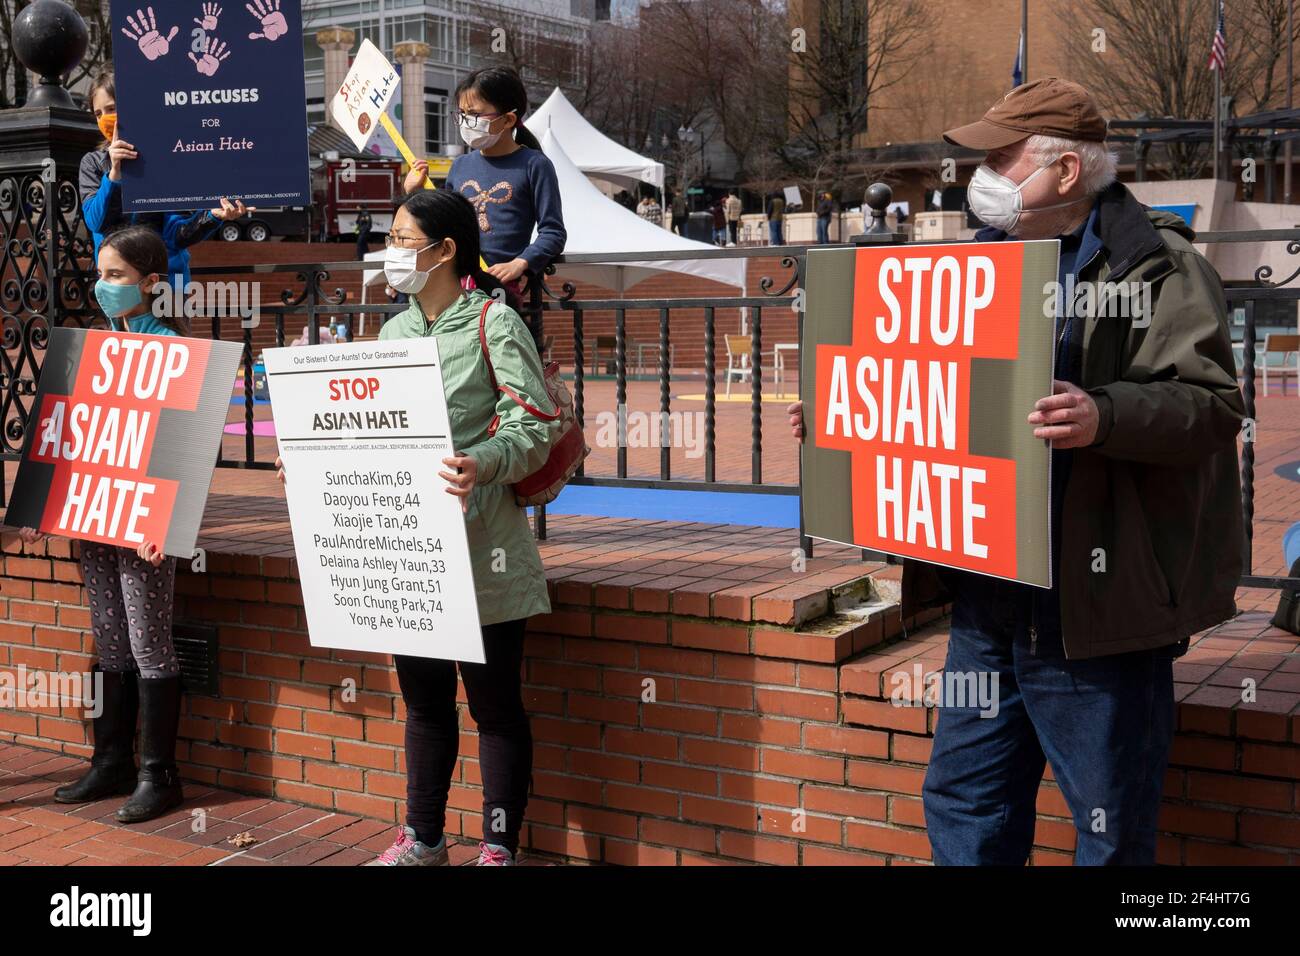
(438, 42)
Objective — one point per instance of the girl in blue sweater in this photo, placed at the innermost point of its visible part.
(505, 176)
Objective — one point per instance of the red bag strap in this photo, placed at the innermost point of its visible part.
(492, 375)
(482, 341)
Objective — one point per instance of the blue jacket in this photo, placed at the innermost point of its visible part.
(101, 207)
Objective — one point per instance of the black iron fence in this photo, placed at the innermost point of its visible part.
(45, 282)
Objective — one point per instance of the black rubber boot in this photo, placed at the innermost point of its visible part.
(112, 767)
(159, 789)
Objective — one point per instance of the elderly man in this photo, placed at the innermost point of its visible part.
(1145, 499)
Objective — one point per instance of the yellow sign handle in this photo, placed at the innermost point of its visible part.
(410, 159)
(401, 146)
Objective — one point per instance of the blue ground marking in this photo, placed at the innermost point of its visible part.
(707, 507)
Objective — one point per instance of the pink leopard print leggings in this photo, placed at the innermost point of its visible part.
(130, 610)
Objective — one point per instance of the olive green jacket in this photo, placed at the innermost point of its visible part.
(1151, 527)
(508, 575)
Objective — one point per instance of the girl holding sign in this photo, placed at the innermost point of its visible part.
(432, 248)
(101, 192)
(131, 592)
(505, 175)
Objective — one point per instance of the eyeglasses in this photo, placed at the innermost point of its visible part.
(462, 119)
(405, 242)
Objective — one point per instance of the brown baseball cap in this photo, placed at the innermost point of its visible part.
(1047, 107)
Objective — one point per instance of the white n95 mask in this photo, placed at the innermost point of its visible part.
(998, 202)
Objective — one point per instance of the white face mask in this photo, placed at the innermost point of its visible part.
(475, 133)
(999, 202)
(400, 269)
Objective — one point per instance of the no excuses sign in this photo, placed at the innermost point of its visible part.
(920, 365)
(124, 438)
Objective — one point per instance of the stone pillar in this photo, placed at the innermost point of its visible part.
(337, 44)
(412, 55)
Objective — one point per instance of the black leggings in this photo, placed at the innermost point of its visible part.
(433, 736)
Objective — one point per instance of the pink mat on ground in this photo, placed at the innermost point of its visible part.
(263, 429)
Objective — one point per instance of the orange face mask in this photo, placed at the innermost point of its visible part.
(107, 125)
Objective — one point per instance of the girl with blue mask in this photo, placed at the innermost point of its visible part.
(129, 269)
(131, 591)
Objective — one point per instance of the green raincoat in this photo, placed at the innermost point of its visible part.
(508, 573)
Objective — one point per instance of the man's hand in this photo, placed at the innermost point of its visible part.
(1067, 418)
(31, 535)
(795, 411)
(279, 469)
(460, 484)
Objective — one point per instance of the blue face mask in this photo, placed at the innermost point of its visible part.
(117, 300)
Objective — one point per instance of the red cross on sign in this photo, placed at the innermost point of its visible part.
(927, 321)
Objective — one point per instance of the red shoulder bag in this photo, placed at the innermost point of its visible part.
(568, 447)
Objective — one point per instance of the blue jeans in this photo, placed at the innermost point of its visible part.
(1105, 723)
(774, 233)
(823, 230)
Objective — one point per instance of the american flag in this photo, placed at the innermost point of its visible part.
(1219, 47)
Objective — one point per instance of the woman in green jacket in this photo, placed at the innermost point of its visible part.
(432, 247)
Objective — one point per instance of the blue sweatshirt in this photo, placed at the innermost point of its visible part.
(511, 195)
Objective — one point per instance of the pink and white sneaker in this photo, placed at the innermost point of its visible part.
(408, 851)
(493, 854)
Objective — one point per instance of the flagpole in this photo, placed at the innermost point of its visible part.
(1024, 41)
(1290, 43)
(1218, 79)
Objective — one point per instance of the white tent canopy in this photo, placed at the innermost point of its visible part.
(597, 225)
(591, 150)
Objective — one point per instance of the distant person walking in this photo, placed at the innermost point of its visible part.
(775, 219)
(825, 209)
(679, 214)
(719, 223)
(364, 223)
(733, 206)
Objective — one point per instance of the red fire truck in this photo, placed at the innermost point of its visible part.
(343, 187)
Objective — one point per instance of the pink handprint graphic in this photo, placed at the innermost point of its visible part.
(144, 30)
(273, 22)
(209, 22)
(214, 52)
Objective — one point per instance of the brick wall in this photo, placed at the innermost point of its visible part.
(750, 722)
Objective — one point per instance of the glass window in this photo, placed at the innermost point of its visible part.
(435, 124)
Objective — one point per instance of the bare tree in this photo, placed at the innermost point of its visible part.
(734, 52)
(545, 53)
(626, 85)
(1152, 60)
(848, 52)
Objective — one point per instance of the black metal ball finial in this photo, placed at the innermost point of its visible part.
(878, 198)
(50, 38)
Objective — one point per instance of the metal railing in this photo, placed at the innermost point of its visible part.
(43, 283)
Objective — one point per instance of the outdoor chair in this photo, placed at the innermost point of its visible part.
(1288, 347)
